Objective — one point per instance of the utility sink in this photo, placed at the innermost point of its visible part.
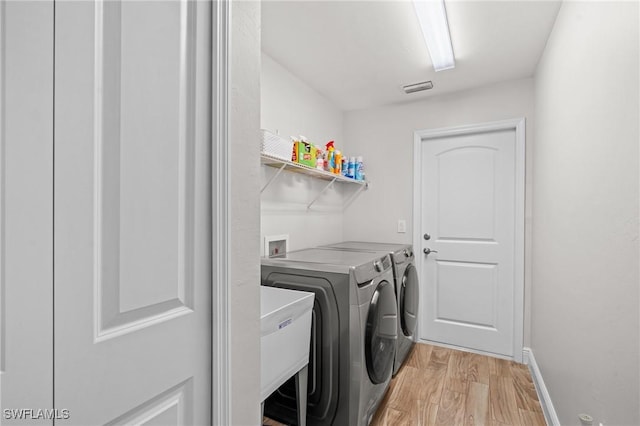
(285, 331)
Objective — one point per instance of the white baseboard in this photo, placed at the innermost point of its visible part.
(543, 394)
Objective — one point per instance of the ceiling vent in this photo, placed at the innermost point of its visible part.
(417, 87)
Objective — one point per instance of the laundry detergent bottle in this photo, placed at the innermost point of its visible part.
(352, 168)
(338, 160)
(330, 161)
(359, 169)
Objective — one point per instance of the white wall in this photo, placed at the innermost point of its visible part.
(385, 136)
(244, 210)
(584, 331)
(290, 106)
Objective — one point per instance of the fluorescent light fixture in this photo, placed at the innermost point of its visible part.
(435, 29)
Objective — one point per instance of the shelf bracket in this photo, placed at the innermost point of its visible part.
(320, 193)
(274, 177)
(355, 194)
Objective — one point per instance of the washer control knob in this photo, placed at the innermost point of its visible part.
(378, 265)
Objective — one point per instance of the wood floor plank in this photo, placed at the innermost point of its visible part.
(424, 385)
(400, 418)
(502, 398)
(419, 356)
(403, 387)
(378, 417)
(497, 423)
(499, 367)
(493, 368)
(457, 371)
(427, 413)
(526, 396)
(412, 358)
(478, 369)
(439, 358)
(519, 366)
(532, 418)
(394, 387)
(451, 409)
(381, 414)
(476, 410)
(432, 382)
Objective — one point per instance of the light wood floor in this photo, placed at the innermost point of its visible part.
(440, 386)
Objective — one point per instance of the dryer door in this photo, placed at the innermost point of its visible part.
(381, 333)
(408, 298)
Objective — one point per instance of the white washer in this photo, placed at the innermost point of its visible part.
(353, 333)
(406, 287)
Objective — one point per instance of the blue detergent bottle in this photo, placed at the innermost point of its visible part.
(359, 169)
(352, 168)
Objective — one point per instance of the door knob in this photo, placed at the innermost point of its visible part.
(428, 251)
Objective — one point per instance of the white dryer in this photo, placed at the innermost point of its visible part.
(406, 288)
(353, 333)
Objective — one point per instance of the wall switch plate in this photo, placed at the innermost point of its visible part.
(402, 226)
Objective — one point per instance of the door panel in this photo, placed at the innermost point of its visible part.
(469, 207)
(143, 58)
(466, 184)
(132, 196)
(465, 293)
(171, 407)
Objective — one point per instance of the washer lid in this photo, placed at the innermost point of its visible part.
(397, 250)
(333, 257)
(366, 265)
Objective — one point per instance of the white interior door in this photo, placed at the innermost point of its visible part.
(132, 245)
(471, 188)
(26, 203)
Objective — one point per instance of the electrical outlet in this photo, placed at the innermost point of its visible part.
(402, 226)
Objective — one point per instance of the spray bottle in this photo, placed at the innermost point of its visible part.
(320, 159)
(330, 161)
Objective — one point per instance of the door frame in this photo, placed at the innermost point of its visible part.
(423, 136)
(220, 226)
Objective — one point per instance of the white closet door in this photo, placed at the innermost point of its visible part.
(132, 212)
(26, 202)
